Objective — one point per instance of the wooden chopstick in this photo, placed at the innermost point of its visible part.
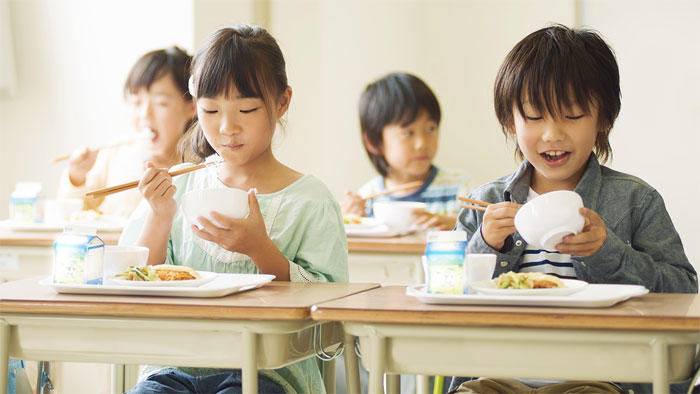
(465, 199)
(476, 207)
(116, 145)
(131, 185)
(405, 186)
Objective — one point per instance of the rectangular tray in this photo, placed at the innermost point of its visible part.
(593, 296)
(223, 284)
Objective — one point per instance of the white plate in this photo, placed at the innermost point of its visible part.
(593, 296)
(108, 224)
(221, 285)
(206, 277)
(371, 227)
(489, 287)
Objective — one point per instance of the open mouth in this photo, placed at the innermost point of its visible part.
(555, 157)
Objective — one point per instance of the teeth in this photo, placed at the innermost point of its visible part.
(554, 153)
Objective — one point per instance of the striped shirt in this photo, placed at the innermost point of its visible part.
(546, 261)
(439, 192)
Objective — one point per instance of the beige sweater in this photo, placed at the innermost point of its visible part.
(112, 167)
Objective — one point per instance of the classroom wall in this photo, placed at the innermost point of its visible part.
(69, 81)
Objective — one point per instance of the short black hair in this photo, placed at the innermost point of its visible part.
(553, 66)
(156, 64)
(397, 98)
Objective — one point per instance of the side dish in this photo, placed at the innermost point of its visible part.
(159, 272)
(527, 280)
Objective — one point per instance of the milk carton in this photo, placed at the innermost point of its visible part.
(444, 257)
(27, 203)
(78, 257)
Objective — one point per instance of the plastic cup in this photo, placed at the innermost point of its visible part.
(478, 267)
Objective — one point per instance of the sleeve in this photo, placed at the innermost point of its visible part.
(96, 179)
(323, 253)
(653, 256)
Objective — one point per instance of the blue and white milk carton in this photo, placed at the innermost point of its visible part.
(78, 257)
(444, 257)
(27, 203)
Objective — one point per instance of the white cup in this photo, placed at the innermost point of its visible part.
(478, 267)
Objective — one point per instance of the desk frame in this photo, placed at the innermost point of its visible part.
(610, 355)
(199, 342)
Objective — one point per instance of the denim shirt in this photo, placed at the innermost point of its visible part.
(642, 246)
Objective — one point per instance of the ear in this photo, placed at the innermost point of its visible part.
(191, 108)
(375, 150)
(284, 100)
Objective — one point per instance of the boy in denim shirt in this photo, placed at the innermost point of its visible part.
(557, 94)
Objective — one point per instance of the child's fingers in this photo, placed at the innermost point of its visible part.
(253, 205)
(203, 234)
(225, 221)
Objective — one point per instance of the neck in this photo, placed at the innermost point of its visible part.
(252, 174)
(396, 178)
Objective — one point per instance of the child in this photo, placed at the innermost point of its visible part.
(400, 119)
(294, 229)
(161, 110)
(557, 93)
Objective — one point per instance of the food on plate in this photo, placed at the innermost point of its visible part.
(159, 272)
(89, 215)
(352, 219)
(175, 272)
(527, 280)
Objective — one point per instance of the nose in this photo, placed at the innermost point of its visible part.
(553, 131)
(418, 141)
(229, 125)
(145, 109)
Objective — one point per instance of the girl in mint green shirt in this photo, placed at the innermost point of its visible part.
(294, 229)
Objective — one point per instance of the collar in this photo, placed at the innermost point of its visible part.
(588, 187)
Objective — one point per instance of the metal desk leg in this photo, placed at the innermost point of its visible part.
(352, 369)
(117, 378)
(393, 383)
(4, 355)
(328, 374)
(249, 372)
(423, 384)
(377, 365)
(659, 352)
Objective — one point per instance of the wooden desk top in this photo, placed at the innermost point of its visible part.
(44, 238)
(407, 244)
(274, 301)
(675, 312)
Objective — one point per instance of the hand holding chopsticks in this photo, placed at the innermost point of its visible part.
(399, 188)
(481, 206)
(133, 184)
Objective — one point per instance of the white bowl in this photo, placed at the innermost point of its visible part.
(118, 258)
(396, 214)
(228, 202)
(546, 219)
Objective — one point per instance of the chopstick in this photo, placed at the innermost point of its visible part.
(486, 204)
(470, 206)
(118, 144)
(405, 186)
(478, 207)
(131, 185)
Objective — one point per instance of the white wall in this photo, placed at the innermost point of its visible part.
(72, 56)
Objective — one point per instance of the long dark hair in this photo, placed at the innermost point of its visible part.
(242, 56)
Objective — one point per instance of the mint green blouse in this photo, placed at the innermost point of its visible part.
(305, 223)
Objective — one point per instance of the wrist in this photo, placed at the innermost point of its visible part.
(76, 180)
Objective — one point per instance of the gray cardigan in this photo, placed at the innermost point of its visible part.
(642, 246)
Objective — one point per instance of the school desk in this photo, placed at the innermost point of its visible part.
(268, 327)
(25, 254)
(652, 338)
(389, 261)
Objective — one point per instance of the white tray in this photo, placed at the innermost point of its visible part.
(107, 225)
(370, 227)
(593, 296)
(223, 284)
